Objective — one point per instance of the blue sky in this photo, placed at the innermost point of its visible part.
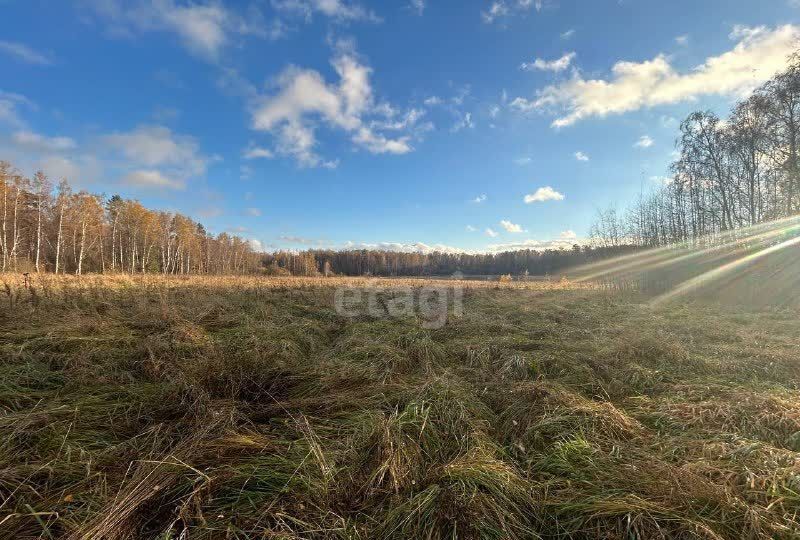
(411, 124)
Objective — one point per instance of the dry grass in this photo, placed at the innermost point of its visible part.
(238, 407)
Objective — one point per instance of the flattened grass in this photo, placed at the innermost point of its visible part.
(148, 407)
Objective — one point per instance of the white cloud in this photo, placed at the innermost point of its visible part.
(24, 53)
(568, 235)
(559, 64)
(414, 247)
(645, 141)
(152, 179)
(204, 28)
(682, 40)
(256, 152)
(60, 167)
(580, 156)
(511, 227)
(42, 143)
(256, 245)
(535, 245)
(501, 8)
(568, 34)
(491, 233)
(464, 122)
(432, 101)
(303, 97)
(158, 146)
(418, 6)
(9, 108)
(662, 180)
(496, 9)
(523, 161)
(253, 212)
(480, 198)
(335, 9)
(543, 194)
(758, 55)
(470, 228)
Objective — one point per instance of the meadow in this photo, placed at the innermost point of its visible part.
(247, 407)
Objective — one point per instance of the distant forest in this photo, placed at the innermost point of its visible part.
(392, 263)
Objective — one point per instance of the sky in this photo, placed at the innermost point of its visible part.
(469, 125)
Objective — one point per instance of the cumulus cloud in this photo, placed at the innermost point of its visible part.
(24, 53)
(543, 194)
(645, 141)
(491, 233)
(540, 64)
(580, 156)
(256, 245)
(568, 235)
(204, 28)
(303, 98)
(511, 227)
(759, 53)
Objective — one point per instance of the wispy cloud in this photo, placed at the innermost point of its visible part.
(340, 10)
(24, 53)
(580, 156)
(645, 141)
(479, 199)
(256, 152)
(491, 233)
(204, 28)
(42, 143)
(152, 179)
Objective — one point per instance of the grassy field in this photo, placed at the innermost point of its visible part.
(248, 408)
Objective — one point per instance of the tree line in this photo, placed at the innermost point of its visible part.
(393, 263)
(728, 173)
(46, 228)
(63, 231)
